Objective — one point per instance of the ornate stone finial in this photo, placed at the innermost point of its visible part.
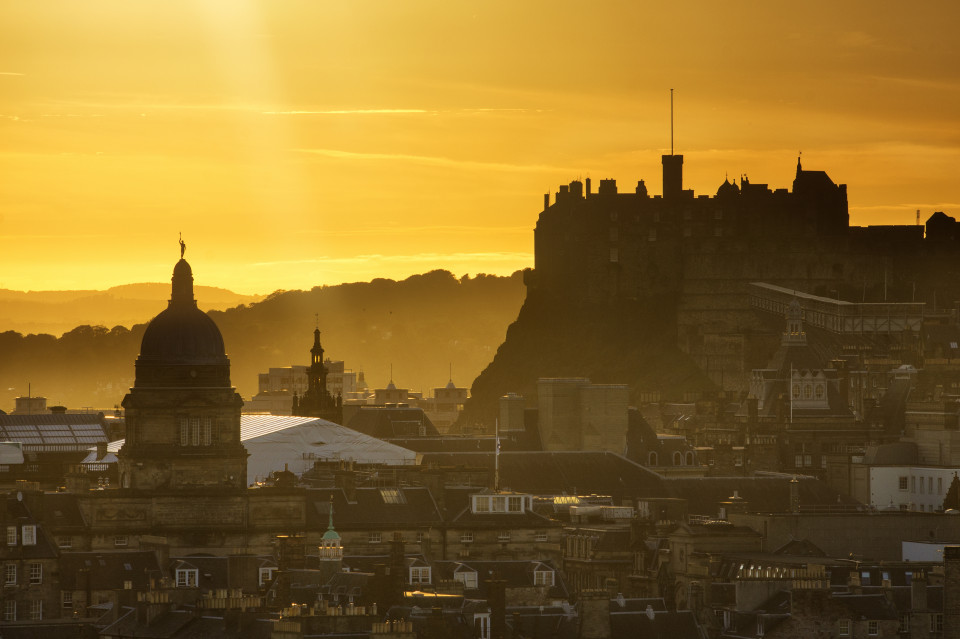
(183, 246)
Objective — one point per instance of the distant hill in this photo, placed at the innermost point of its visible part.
(56, 312)
(422, 325)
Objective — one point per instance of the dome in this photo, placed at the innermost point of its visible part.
(182, 347)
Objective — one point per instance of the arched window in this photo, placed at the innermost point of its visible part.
(677, 458)
(689, 458)
(818, 391)
(807, 391)
(796, 391)
(653, 458)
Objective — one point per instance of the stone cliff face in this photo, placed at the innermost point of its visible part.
(654, 292)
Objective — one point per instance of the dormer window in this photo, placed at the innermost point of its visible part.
(543, 577)
(29, 535)
(467, 577)
(187, 577)
(500, 503)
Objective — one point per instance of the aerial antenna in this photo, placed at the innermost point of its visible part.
(671, 121)
(316, 316)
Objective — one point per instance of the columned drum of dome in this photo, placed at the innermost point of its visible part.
(182, 414)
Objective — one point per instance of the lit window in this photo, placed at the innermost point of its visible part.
(187, 577)
(36, 573)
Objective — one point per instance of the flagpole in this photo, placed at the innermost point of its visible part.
(496, 459)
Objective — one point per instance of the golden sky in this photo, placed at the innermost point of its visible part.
(306, 142)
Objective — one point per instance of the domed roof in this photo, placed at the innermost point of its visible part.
(182, 334)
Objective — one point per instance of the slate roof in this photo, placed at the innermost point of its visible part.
(108, 569)
(567, 472)
(867, 606)
(674, 624)
(893, 454)
(762, 493)
(371, 507)
(385, 422)
(185, 624)
(516, 574)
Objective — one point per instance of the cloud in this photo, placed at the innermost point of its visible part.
(11, 73)
(354, 112)
(434, 161)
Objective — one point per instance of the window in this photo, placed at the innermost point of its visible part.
(10, 574)
(689, 459)
(936, 622)
(10, 610)
(467, 577)
(205, 434)
(540, 537)
(844, 630)
(807, 391)
(808, 460)
(482, 623)
(373, 538)
(930, 485)
(65, 542)
(420, 536)
(195, 431)
(481, 504)
(913, 483)
(818, 391)
(614, 255)
(503, 536)
(542, 577)
(120, 541)
(515, 504)
(796, 391)
(36, 609)
(873, 628)
(823, 461)
(677, 459)
(67, 599)
(939, 485)
(921, 485)
(127, 584)
(187, 577)
(652, 458)
(36, 573)
(904, 622)
(11, 535)
(184, 431)
(29, 536)
(798, 461)
(420, 575)
(466, 538)
(266, 575)
(903, 483)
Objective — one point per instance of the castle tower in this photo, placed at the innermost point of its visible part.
(182, 414)
(672, 175)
